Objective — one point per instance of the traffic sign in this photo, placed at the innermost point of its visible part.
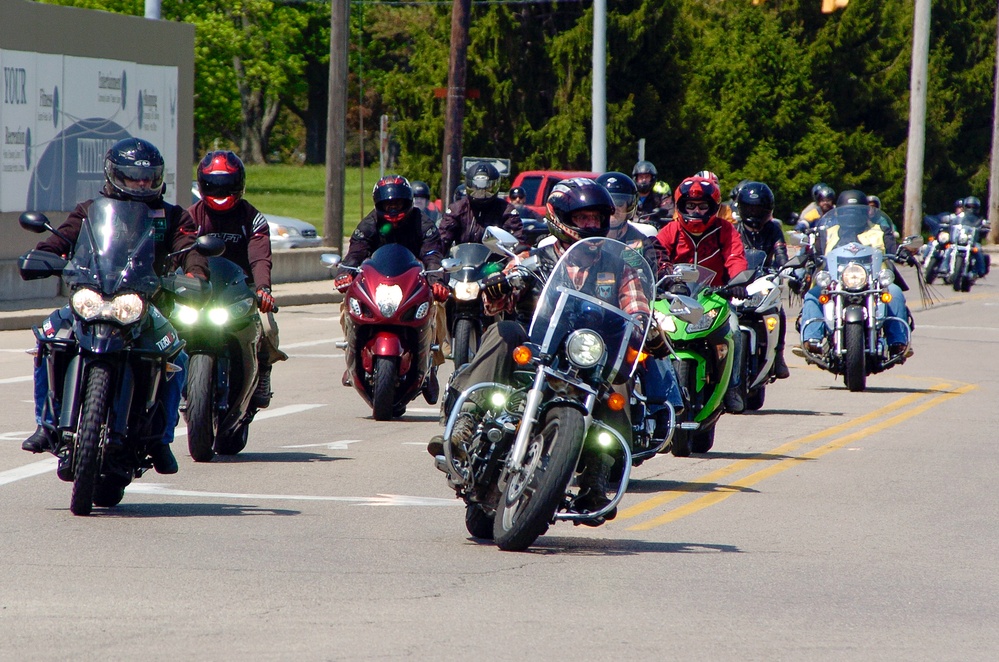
(502, 165)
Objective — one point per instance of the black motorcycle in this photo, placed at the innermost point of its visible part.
(223, 337)
(467, 265)
(113, 353)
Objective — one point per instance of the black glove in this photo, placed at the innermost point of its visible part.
(736, 292)
(679, 288)
(903, 256)
(496, 286)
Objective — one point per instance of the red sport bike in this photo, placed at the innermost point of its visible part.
(388, 328)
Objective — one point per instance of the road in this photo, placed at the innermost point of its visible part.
(828, 526)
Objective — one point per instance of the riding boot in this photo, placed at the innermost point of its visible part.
(780, 366)
(262, 395)
(593, 484)
(39, 442)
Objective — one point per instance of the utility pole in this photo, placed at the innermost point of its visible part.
(461, 18)
(598, 144)
(336, 124)
(913, 218)
(993, 213)
(153, 9)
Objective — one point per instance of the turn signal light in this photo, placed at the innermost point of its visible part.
(522, 355)
(975, 249)
(823, 299)
(615, 402)
(886, 297)
(632, 355)
(771, 323)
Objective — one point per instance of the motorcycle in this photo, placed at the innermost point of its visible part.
(960, 258)
(933, 254)
(389, 330)
(514, 452)
(703, 359)
(223, 337)
(854, 281)
(759, 327)
(467, 266)
(111, 372)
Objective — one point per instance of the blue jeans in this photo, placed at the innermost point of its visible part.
(895, 331)
(170, 395)
(660, 385)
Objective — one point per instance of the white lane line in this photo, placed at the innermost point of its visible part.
(310, 343)
(380, 500)
(29, 350)
(16, 380)
(423, 410)
(315, 356)
(38, 468)
(957, 328)
(333, 445)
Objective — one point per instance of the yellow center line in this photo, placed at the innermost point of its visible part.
(697, 484)
(716, 497)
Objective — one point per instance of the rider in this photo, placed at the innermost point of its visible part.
(133, 170)
(973, 206)
(517, 197)
(754, 203)
(700, 237)
(651, 205)
(466, 220)
(577, 209)
(222, 212)
(395, 220)
(823, 199)
(421, 200)
(813, 327)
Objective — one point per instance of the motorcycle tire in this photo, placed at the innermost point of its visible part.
(93, 417)
(530, 498)
(201, 407)
(754, 400)
(383, 390)
(959, 277)
(108, 493)
(930, 268)
(703, 440)
(465, 342)
(855, 367)
(680, 446)
(231, 444)
(478, 523)
(743, 351)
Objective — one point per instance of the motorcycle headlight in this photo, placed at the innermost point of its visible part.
(87, 303)
(125, 308)
(886, 277)
(466, 291)
(823, 279)
(584, 348)
(185, 314)
(854, 277)
(218, 316)
(705, 322)
(943, 237)
(241, 308)
(388, 298)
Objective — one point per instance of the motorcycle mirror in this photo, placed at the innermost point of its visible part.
(686, 308)
(210, 246)
(743, 277)
(795, 238)
(451, 264)
(34, 221)
(795, 262)
(330, 260)
(915, 242)
(792, 219)
(499, 241)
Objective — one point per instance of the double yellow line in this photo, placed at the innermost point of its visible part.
(945, 390)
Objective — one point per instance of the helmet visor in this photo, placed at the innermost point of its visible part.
(137, 180)
(482, 186)
(218, 184)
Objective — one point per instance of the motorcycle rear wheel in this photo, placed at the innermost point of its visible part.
(754, 400)
(109, 493)
(702, 440)
(201, 407)
(383, 391)
(478, 523)
(529, 500)
(231, 444)
(855, 372)
(465, 343)
(93, 420)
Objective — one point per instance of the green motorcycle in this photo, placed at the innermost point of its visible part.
(702, 359)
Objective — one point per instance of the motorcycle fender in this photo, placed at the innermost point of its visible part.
(123, 400)
(854, 314)
(386, 344)
(100, 338)
(71, 386)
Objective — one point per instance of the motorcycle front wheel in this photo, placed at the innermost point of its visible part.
(959, 277)
(686, 372)
(465, 342)
(535, 490)
(386, 371)
(201, 407)
(855, 372)
(93, 417)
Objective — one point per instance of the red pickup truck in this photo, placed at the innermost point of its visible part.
(538, 184)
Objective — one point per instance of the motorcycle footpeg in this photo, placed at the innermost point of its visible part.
(341, 344)
(690, 425)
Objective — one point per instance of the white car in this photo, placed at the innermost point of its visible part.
(286, 232)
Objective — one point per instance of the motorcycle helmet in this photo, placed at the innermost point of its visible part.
(663, 189)
(420, 189)
(482, 181)
(697, 189)
(959, 205)
(574, 195)
(755, 204)
(644, 184)
(851, 197)
(973, 204)
(821, 190)
(874, 201)
(393, 198)
(623, 192)
(707, 174)
(221, 180)
(460, 192)
(133, 169)
(517, 193)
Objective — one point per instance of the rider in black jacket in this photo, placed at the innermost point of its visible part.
(465, 220)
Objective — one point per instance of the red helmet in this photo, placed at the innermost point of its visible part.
(221, 180)
(697, 189)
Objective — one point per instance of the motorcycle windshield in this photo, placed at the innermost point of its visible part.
(755, 258)
(848, 225)
(603, 286)
(705, 277)
(116, 249)
(393, 260)
(470, 255)
(964, 229)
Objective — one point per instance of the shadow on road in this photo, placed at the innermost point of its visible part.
(139, 510)
(655, 486)
(275, 457)
(749, 456)
(611, 547)
(790, 412)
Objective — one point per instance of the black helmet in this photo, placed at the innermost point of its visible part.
(973, 204)
(622, 189)
(393, 197)
(482, 181)
(851, 197)
(517, 192)
(755, 204)
(874, 201)
(133, 168)
(459, 193)
(644, 168)
(959, 204)
(823, 192)
(573, 195)
(221, 180)
(420, 189)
